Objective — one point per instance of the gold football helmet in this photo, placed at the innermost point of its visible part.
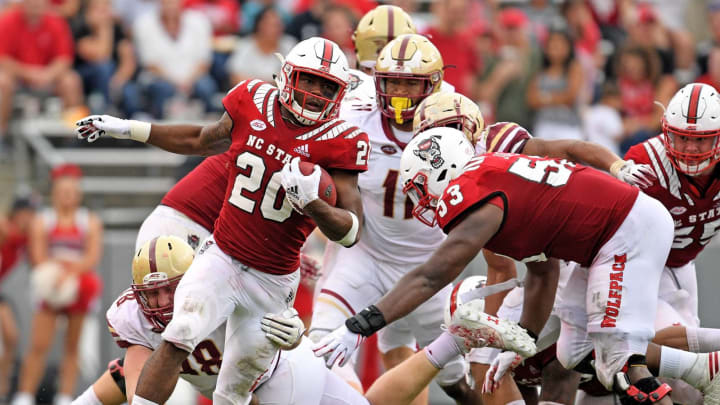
(160, 263)
(376, 28)
(449, 110)
(409, 57)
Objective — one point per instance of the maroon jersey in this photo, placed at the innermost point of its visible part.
(257, 225)
(552, 208)
(696, 212)
(200, 194)
(506, 137)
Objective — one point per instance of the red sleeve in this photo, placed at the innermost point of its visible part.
(463, 195)
(6, 33)
(637, 154)
(64, 46)
(348, 151)
(233, 102)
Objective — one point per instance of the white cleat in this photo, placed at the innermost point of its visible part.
(710, 385)
(478, 329)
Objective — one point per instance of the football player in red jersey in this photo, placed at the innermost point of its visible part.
(249, 266)
(457, 111)
(536, 210)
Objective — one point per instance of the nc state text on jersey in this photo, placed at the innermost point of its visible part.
(271, 150)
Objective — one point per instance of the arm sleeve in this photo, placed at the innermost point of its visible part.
(506, 137)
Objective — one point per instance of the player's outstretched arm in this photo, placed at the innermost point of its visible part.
(541, 283)
(463, 243)
(594, 155)
(500, 268)
(183, 139)
(104, 391)
(401, 384)
(135, 358)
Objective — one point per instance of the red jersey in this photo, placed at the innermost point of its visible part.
(257, 225)
(38, 44)
(209, 181)
(11, 250)
(66, 243)
(696, 212)
(552, 208)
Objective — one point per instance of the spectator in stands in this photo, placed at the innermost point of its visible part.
(553, 92)
(640, 84)
(175, 52)
(448, 30)
(602, 121)
(224, 15)
(251, 9)
(254, 56)
(71, 237)
(36, 53)
(504, 83)
(647, 31)
(587, 37)
(712, 77)
(106, 58)
(672, 15)
(13, 240)
(338, 23)
(542, 15)
(612, 17)
(129, 11)
(308, 23)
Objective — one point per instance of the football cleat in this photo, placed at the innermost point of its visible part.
(478, 329)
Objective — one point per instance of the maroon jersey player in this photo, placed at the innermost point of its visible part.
(684, 159)
(249, 266)
(536, 210)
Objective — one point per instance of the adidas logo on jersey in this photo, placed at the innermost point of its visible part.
(302, 150)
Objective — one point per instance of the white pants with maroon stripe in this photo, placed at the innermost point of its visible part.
(678, 303)
(354, 280)
(164, 220)
(302, 379)
(217, 288)
(611, 305)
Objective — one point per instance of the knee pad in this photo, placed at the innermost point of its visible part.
(646, 390)
(115, 367)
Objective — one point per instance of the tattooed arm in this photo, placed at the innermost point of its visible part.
(193, 139)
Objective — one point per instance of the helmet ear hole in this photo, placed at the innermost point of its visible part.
(442, 175)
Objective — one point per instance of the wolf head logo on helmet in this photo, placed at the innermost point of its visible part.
(429, 151)
(429, 162)
(156, 271)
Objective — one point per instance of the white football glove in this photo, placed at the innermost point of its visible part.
(300, 189)
(94, 126)
(504, 362)
(285, 329)
(639, 175)
(338, 346)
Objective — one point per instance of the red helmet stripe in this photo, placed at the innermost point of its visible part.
(151, 255)
(403, 48)
(327, 55)
(391, 24)
(694, 101)
(453, 299)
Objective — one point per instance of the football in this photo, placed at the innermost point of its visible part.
(326, 190)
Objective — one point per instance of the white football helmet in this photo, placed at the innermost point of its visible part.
(691, 128)
(455, 298)
(319, 57)
(429, 162)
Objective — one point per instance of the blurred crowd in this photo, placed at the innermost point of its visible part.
(588, 69)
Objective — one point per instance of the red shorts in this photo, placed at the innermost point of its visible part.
(89, 288)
